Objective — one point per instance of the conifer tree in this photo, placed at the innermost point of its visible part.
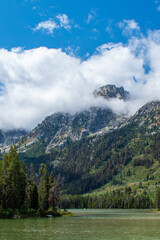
(20, 191)
(32, 190)
(23, 189)
(44, 187)
(158, 198)
(13, 188)
(54, 193)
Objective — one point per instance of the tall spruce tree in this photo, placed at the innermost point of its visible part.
(32, 190)
(12, 179)
(19, 190)
(23, 184)
(158, 198)
(44, 187)
(54, 193)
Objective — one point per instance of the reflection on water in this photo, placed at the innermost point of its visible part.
(86, 225)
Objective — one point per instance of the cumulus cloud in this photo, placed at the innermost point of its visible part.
(129, 27)
(48, 26)
(38, 82)
(60, 21)
(64, 21)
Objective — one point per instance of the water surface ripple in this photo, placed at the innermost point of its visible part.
(86, 225)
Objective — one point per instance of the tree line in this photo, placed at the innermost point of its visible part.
(109, 200)
(23, 191)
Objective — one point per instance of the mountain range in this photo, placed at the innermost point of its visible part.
(60, 129)
(96, 150)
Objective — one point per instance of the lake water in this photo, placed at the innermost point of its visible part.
(86, 225)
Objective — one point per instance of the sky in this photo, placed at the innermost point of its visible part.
(55, 53)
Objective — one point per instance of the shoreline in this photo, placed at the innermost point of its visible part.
(16, 214)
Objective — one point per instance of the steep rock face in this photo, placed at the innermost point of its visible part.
(111, 91)
(60, 129)
(148, 112)
(10, 137)
(148, 117)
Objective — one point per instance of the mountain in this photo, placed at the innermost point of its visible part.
(111, 91)
(61, 129)
(10, 137)
(97, 151)
(125, 156)
(128, 156)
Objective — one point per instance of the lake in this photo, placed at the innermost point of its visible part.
(86, 225)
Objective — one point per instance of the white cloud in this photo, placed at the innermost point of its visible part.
(60, 21)
(129, 27)
(91, 16)
(48, 26)
(64, 21)
(157, 3)
(109, 28)
(38, 82)
(72, 50)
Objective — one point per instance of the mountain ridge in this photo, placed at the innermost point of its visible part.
(120, 151)
(60, 129)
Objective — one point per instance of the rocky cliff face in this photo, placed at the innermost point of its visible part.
(148, 118)
(60, 129)
(111, 91)
(10, 137)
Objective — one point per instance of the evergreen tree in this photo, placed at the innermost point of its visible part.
(32, 190)
(19, 191)
(44, 187)
(54, 193)
(23, 189)
(158, 198)
(12, 185)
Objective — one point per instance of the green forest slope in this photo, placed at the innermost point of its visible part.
(125, 161)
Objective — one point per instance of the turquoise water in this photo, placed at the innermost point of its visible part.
(86, 225)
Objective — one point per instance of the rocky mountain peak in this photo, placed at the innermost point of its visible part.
(111, 91)
(60, 129)
(148, 114)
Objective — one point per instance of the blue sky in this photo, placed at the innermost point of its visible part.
(92, 22)
(55, 53)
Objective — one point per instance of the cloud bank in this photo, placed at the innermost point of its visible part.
(38, 82)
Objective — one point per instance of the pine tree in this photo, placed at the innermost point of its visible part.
(13, 179)
(158, 198)
(54, 193)
(23, 189)
(32, 190)
(44, 187)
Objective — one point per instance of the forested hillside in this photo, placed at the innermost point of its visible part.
(128, 157)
